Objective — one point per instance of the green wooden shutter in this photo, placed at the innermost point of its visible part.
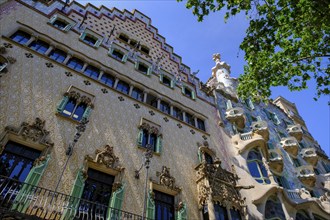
(229, 105)
(159, 144)
(183, 89)
(62, 104)
(161, 76)
(67, 28)
(87, 112)
(75, 195)
(150, 207)
(82, 36)
(24, 196)
(115, 204)
(182, 213)
(136, 65)
(149, 71)
(140, 137)
(98, 43)
(53, 19)
(200, 155)
(124, 58)
(193, 95)
(110, 51)
(3, 66)
(172, 83)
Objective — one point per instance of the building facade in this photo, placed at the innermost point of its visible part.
(100, 119)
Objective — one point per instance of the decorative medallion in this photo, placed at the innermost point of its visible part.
(165, 179)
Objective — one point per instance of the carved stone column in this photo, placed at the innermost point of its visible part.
(67, 58)
(51, 47)
(131, 87)
(84, 67)
(101, 74)
(280, 197)
(145, 94)
(116, 83)
(158, 103)
(171, 110)
(30, 40)
(210, 207)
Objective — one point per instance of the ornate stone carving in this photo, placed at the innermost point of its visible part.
(222, 186)
(11, 60)
(106, 157)
(166, 179)
(35, 132)
(149, 128)
(80, 98)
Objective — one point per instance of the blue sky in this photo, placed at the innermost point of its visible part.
(196, 41)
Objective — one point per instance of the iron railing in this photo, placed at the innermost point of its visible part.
(26, 201)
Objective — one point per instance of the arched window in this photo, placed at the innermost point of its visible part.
(256, 167)
(208, 158)
(220, 212)
(273, 209)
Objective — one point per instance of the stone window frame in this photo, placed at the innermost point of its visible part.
(81, 97)
(146, 64)
(114, 47)
(98, 38)
(192, 90)
(163, 75)
(59, 16)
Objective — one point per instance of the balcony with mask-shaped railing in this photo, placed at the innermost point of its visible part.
(295, 131)
(236, 116)
(309, 155)
(306, 175)
(275, 160)
(290, 145)
(261, 127)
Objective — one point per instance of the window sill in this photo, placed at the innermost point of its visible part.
(88, 44)
(145, 149)
(67, 118)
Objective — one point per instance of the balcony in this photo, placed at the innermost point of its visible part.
(246, 141)
(23, 201)
(310, 155)
(290, 145)
(275, 160)
(295, 131)
(236, 116)
(261, 128)
(298, 195)
(306, 175)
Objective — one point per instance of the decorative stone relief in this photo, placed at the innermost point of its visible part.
(34, 132)
(151, 129)
(165, 179)
(80, 98)
(106, 157)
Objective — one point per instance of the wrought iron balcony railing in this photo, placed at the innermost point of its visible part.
(22, 200)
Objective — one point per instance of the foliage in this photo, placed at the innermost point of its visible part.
(286, 43)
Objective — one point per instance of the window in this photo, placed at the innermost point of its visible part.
(137, 94)
(166, 81)
(164, 206)
(188, 92)
(133, 42)
(165, 107)
(272, 116)
(75, 64)
(123, 87)
(39, 46)
(117, 54)
(220, 212)
(208, 158)
(200, 124)
(249, 104)
(145, 49)
(58, 55)
(144, 68)
(92, 72)
(91, 38)
(17, 160)
(151, 100)
(21, 37)
(296, 162)
(235, 215)
(177, 113)
(189, 119)
(273, 209)
(149, 135)
(108, 79)
(75, 105)
(256, 167)
(123, 38)
(96, 194)
(61, 22)
(282, 181)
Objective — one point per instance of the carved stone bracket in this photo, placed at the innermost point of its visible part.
(166, 180)
(106, 157)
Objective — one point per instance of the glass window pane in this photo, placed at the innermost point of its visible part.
(58, 55)
(79, 112)
(253, 168)
(21, 37)
(69, 107)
